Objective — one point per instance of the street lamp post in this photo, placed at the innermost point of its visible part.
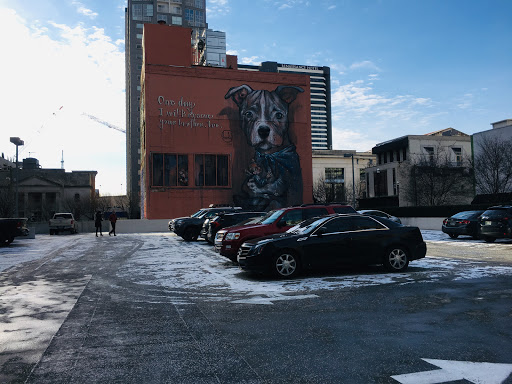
(17, 142)
(353, 179)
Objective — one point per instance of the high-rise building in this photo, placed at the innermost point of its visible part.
(320, 96)
(186, 13)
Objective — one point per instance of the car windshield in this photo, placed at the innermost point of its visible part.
(466, 215)
(271, 217)
(306, 226)
(197, 213)
(495, 213)
(63, 216)
(253, 220)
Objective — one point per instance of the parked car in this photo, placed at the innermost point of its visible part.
(11, 228)
(462, 223)
(276, 221)
(226, 219)
(190, 227)
(496, 223)
(62, 222)
(171, 222)
(374, 212)
(334, 241)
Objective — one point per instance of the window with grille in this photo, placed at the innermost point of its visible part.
(211, 170)
(169, 170)
(458, 156)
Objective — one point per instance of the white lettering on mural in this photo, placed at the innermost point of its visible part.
(180, 113)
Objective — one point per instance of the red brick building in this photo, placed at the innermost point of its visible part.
(219, 135)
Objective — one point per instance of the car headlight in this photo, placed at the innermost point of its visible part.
(233, 236)
(257, 249)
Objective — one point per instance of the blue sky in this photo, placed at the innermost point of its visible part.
(398, 67)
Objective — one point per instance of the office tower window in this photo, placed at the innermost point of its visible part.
(198, 4)
(189, 15)
(199, 17)
(142, 12)
(176, 20)
(176, 9)
(163, 18)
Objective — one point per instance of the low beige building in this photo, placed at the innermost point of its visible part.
(390, 178)
(42, 192)
(334, 172)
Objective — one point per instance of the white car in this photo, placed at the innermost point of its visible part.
(373, 212)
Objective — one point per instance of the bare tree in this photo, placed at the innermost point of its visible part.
(493, 166)
(319, 195)
(7, 202)
(434, 180)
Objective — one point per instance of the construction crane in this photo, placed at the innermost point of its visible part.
(105, 123)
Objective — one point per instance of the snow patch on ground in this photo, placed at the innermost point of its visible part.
(165, 260)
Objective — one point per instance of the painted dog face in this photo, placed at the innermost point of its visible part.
(264, 115)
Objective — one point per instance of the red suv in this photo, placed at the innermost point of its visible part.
(229, 240)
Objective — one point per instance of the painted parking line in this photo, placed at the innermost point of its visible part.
(474, 372)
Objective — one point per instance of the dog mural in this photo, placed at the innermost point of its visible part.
(274, 176)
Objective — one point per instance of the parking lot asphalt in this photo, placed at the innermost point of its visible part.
(151, 308)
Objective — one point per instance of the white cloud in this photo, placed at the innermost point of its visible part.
(466, 101)
(351, 140)
(366, 64)
(84, 11)
(357, 108)
(253, 60)
(217, 7)
(330, 8)
(78, 68)
(288, 4)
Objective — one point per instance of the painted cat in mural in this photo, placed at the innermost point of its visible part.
(274, 177)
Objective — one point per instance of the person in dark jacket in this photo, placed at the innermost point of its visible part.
(112, 218)
(97, 222)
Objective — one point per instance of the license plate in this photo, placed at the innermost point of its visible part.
(487, 222)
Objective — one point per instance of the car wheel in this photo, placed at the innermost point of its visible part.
(52, 232)
(285, 264)
(489, 239)
(453, 236)
(190, 234)
(396, 259)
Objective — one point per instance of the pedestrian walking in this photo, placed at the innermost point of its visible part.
(112, 218)
(97, 222)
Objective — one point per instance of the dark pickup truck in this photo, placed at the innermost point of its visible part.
(10, 228)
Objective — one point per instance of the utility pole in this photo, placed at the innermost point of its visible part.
(353, 179)
(17, 142)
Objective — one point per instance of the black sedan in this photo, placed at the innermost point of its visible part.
(462, 223)
(332, 241)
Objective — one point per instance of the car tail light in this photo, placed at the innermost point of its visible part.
(71, 222)
(214, 224)
(445, 221)
(465, 222)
